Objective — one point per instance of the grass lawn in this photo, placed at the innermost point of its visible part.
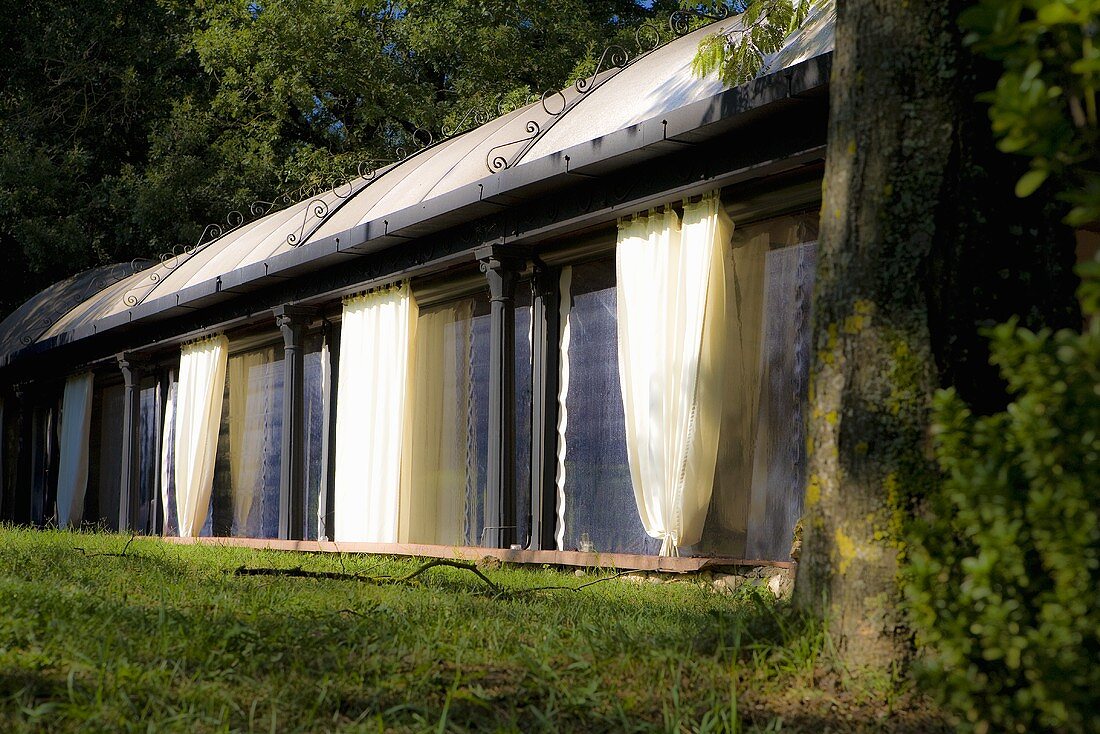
(169, 638)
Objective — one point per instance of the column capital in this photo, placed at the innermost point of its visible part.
(502, 266)
(131, 365)
(293, 315)
(498, 258)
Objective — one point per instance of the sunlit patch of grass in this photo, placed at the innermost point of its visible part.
(166, 637)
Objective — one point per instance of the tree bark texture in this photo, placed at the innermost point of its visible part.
(923, 243)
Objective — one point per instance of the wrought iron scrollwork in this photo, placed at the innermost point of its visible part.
(499, 162)
(555, 103)
(474, 117)
(551, 94)
(680, 20)
(647, 37)
(316, 209)
(613, 57)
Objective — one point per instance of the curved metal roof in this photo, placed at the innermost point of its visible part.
(35, 317)
(650, 84)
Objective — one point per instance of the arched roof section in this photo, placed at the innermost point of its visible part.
(662, 81)
(37, 316)
(650, 84)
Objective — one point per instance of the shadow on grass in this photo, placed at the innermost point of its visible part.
(166, 629)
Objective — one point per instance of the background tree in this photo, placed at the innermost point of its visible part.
(128, 125)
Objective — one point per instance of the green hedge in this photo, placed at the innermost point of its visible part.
(1004, 593)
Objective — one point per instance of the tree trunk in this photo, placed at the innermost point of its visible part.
(922, 243)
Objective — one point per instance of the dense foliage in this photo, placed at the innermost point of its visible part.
(1006, 565)
(738, 51)
(1006, 569)
(1045, 106)
(128, 125)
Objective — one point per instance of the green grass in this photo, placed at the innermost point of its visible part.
(167, 638)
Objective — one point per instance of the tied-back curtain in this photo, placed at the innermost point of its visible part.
(76, 429)
(198, 413)
(671, 304)
(376, 341)
(251, 398)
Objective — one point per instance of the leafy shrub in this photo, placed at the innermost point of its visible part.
(1004, 590)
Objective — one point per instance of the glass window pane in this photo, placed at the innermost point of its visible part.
(245, 497)
(316, 429)
(101, 503)
(148, 435)
(599, 504)
(758, 490)
(171, 525)
(451, 424)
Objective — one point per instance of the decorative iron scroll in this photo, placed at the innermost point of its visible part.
(44, 322)
(318, 209)
(680, 20)
(615, 58)
(499, 162)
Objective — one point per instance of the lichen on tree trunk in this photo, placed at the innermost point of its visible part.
(922, 243)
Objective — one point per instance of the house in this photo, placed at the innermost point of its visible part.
(580, 327)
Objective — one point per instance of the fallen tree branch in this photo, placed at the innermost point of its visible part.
(298, 572)
(453, 564)
(576, 588)
(114, 555)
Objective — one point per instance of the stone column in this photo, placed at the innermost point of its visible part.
(502, 269)
(129, 497)
(292, 322)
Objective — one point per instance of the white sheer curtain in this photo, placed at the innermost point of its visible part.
(435, 511)
(565, 283)
(198, 415)
(323, 532)
(168, 460)
(76, 428)
(671, 304)
(251, 398)
(376, 341)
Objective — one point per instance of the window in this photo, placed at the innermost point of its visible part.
(596, 502)
(450, 424)
(315, 397)
(757, 495)
(101, 500)
(149, 427)
(245, 498)
(44, 445)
